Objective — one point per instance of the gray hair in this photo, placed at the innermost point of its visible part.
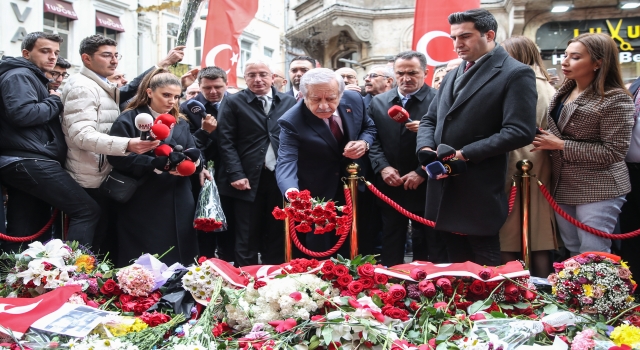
(318, 76)
(257, 61)
(387, 70)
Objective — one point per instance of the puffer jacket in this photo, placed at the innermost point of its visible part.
(91, 107)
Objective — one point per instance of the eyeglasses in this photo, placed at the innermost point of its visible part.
(373, 76)
(347, 76)
(55, 75)
(254, 75)
(111, 55)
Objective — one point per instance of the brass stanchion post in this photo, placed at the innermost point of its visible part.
(353, 169)
(287, 237)
(525, 166)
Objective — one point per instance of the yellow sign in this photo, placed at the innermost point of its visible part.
(633, 32)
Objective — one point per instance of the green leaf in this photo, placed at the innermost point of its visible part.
(479, 306)
(357, 260)
(498, 314)
(550, 309)
(446, 331)
(521, 305)
(442, 346)
(413, 334)
(376, 300)
(505, 306)
(326, 335)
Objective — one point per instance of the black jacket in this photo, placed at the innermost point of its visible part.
(245, 135)
(29, 116)
(206, 142)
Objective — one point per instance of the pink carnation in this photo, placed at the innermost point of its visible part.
(136, 280)
(553, 278)
(624, 273)
(571, 264)
(584, 340)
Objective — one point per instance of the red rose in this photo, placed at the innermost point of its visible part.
(380, 278)
(397, 292)
(327, 267)
(110, 288)
(511, 293)
(443, 283)
(259, 284)
(328, 277)
(367, 282)
(202, 259)
(355, 287)
(477, 287)
(634, 320)
(427, 288)
(477, 316)
(344, 280)
(492, 308)
(527, 294)
(220, 329)
(418, 274)
(279, 214)
(155, 318)
(366, 270)
(303, 228)
(485, 273)
(414, 306)
(340, 270)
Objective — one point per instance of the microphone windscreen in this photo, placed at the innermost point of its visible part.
(176, 158)
(435, 170)
(144, 122)
(196, 108)
(425, 157)
(192, 153)
(160, 132)
(163, 150)
(166, 119)
(456, 167)
(445, 152)
(161, 163)
(398, 114)
(186, 168)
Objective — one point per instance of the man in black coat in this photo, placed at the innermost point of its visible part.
(249, 140)
(212, 82)
(32, 147)
(484, 109)
(298, 66)
(398, 171)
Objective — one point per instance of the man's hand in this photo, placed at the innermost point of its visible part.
(242, 184)
(175, 173)
(141, 146)
(174, 56)
(412, 180)
(189, 77)
(413, 126)
(54, 92)
(355, 149)
(391, 176)
(204, 175)
(209, 123)
(353, 87)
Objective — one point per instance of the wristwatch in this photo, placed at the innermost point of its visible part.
(367, 144)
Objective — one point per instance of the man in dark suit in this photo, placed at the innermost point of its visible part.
(212, 83)
(379, 79)
(249, 139)
(298, 66)
(630, 215)
(318, 138)
(398, 171)
(485, 109)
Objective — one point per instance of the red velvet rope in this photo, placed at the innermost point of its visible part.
(339, 243)
(34, 236)
(580, 225)
(512, 197)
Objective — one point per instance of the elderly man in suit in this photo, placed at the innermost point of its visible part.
(484, 109)
(318, 138)
(249, 140)
(398, 172)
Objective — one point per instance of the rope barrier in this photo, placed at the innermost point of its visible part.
(339, 243)
(577, 223)
(34, 236)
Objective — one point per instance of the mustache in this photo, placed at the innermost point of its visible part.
(324, 111)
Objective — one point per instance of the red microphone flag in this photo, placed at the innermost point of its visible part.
(18, 314)
(225, 22)
(431, 30)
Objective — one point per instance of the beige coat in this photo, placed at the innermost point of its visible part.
(90, 108)
(543, 224)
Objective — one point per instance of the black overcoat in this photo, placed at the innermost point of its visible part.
(160, 213)
(493, 114)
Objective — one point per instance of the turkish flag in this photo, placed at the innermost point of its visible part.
(431, 30)
(225, 22)
(18, 314)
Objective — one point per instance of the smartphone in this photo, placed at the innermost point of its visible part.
(553, 75)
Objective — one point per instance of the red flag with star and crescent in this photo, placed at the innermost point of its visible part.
(431, 30)
(225, 22)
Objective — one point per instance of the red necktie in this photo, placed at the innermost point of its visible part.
(335, 129)
(469, 65)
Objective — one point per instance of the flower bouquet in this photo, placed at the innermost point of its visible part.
(306, 212)
(209, 216)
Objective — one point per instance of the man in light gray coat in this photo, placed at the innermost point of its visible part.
(484, 109)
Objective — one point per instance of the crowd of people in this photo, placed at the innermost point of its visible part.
(494, 105)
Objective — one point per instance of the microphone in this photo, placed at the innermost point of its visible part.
(163, 150)
(445, 152)
(438, 170)
(166, 119)
(426, 157)
(144, 121)
(186, 168)
(192, 153)
(196, 108)
(161, 163)
(399, 114)
(159, 132)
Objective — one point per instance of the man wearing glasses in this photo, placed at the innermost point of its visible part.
(58, 73)
(249, 140)
(380, 79)
(350, 79)
(91, 106)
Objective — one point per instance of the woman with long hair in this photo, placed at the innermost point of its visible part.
(543, 221)
(159, 216)
(590, 120)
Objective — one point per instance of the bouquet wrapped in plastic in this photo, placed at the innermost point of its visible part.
(209, 215)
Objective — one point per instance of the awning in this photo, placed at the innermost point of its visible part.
(108, 21)
(60, 8)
